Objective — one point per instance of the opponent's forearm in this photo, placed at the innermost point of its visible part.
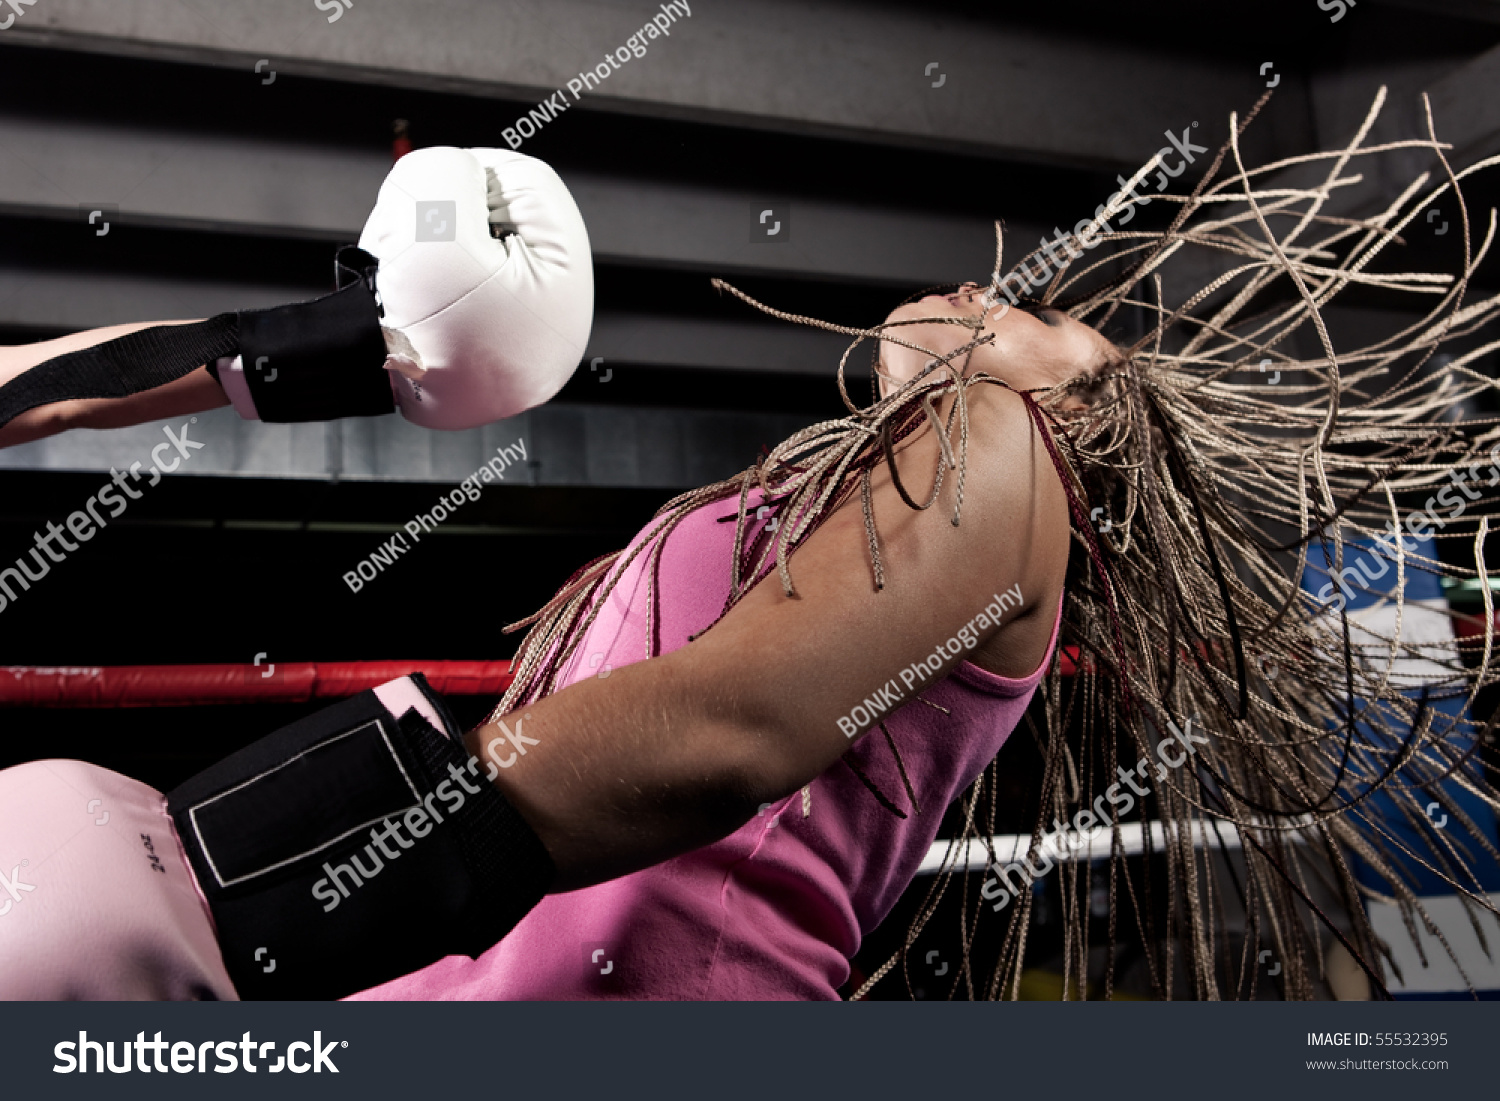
(194, 393)
(23, 357)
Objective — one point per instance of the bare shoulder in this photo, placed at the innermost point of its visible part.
(1013, 528)
(1011, 488)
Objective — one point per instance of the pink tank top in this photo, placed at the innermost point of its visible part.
(776, 909)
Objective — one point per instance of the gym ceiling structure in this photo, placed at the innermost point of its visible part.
(166, 159)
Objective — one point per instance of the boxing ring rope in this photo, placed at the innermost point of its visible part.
(216, 685)
(302, 682)
(211, 685)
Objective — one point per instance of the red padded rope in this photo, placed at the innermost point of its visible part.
(282, 682)
(201, 685)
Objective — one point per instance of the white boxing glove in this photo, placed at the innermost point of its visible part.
(469, 301)
(486, 292)
(487, 316)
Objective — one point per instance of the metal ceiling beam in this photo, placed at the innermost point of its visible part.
(906, 77)
(59, 169)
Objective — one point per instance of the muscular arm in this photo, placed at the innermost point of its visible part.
(678, 751)
(192, 393)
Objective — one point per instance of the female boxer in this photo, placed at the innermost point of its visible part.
(742, 708)
(701, 737)
(884, 658)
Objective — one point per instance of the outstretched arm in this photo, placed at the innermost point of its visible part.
(192, 393)
(678, 751)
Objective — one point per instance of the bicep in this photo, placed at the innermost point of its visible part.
(795, 666)
(675, 752)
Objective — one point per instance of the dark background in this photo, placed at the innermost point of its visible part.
(219, 568)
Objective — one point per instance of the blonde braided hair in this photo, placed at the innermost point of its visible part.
(1215, 490)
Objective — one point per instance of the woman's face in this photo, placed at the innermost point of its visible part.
(1029, 351)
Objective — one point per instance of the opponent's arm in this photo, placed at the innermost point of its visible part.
(675, 752)
(468, 316)
(194, 393)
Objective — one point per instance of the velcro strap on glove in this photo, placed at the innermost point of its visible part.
(320, 360)
(310, 361)
(352, 847)
(130, 364)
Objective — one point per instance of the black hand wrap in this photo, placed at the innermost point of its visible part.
(320, 360)
(316, 360)
(353, 847)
